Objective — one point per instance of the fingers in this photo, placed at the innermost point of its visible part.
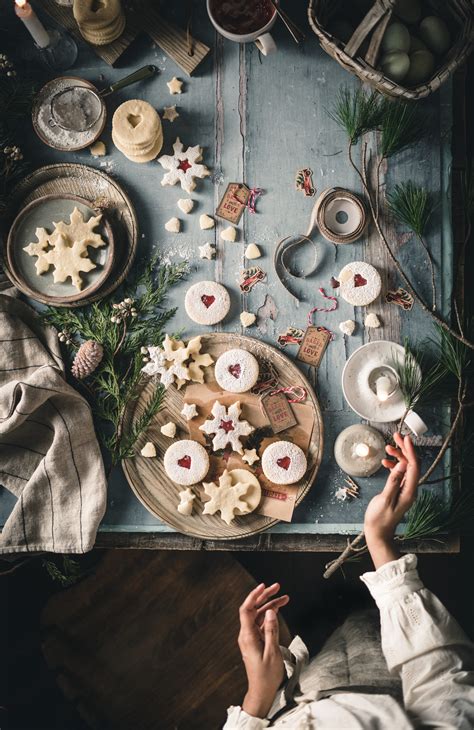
(394, 480)
(271, 633)
(410, 452)
(256, 599)
(247, 609)
(413, 472)
(266, 594)
(275, 605)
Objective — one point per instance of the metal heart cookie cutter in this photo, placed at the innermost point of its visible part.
(340, 216)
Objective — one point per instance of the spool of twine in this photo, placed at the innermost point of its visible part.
(332, 199)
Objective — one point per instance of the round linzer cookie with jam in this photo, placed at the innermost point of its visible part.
(360, 283)
(207, 302)
(236, 371)
(284, 462)
(186, 462)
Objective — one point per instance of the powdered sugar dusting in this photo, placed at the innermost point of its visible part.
(236, 380)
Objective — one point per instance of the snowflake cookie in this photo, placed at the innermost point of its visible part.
(183, 166)
(186, 462)
(254, 494)
(226, 427)
(284, 462)
(228, 499)
(176, 362)
(170, 369)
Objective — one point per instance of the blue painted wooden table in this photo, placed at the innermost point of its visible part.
(259, 120)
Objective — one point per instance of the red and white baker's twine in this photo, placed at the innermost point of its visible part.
(297, 391)
(323, 309)
(252, 200)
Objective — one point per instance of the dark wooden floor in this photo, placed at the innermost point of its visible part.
(317, 606)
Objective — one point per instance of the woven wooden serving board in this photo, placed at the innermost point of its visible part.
(159, 494)
(95, 186)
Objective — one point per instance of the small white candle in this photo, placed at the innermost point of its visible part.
(362, 450)
(27, 15)
(383, 388)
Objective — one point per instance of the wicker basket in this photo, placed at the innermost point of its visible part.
(459, 13)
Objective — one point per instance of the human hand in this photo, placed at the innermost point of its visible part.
(260, 649)
(387, 509)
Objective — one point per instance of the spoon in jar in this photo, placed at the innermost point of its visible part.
(293, 29)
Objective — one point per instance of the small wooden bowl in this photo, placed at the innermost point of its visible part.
(40, 213)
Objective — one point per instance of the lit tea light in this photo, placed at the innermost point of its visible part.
(384, 388)
(34, 26)
(362, 450)
(359, 450)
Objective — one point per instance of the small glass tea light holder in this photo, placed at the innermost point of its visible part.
(359, 450)
(55, 49)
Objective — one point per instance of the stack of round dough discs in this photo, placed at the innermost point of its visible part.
(101, 22)
(137, 130)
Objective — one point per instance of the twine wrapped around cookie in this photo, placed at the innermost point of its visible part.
(88, 358)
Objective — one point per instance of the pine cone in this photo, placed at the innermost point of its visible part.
(87, 359)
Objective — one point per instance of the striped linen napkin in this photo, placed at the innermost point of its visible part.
(49, 456)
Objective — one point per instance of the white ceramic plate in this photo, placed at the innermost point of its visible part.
(360, 397)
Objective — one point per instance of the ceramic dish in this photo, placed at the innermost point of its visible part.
(97, 188)
(40, 214)
(52, 134)
(357, 375)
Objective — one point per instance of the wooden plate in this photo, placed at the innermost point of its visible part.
(40, 214)
(159, 494)
(96, 187)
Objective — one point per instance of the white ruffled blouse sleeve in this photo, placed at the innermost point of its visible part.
(295, 659)
(424, 644)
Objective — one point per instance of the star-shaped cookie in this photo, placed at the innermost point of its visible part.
(189, 411)
(208, 251)
(175, 85)
(225, 498)
(183, 166)
(250, 456)
(226, 427)
(170, 113)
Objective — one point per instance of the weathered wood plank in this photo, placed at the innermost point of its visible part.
(260, 120)
(265, 542)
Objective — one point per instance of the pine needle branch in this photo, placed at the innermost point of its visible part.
(412, 206)
(402, 126)
(113, 385)
(356, 112)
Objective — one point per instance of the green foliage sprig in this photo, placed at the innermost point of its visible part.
(417, 382)
(412, 206)
(357, 112)
(122, 333)
(402, 125)
(431, 516)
